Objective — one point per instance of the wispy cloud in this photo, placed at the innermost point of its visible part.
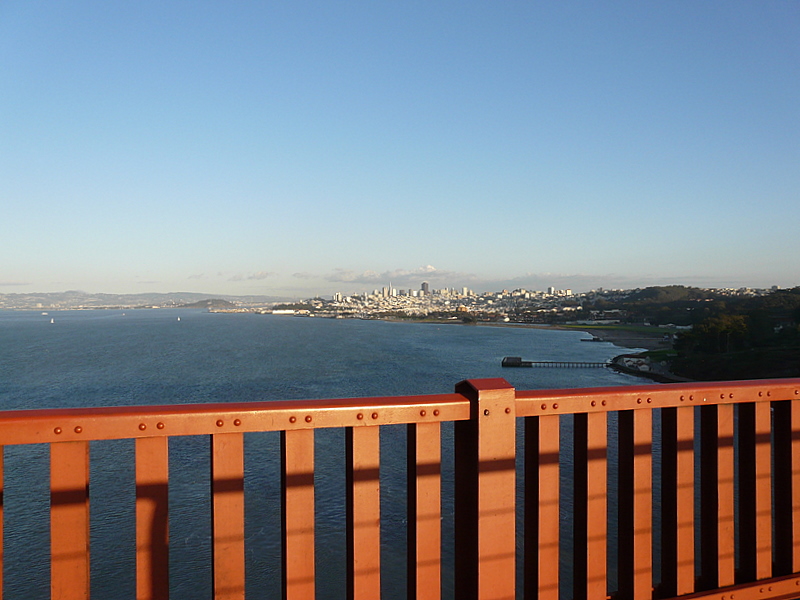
(261, 275)
(304, 275)
(14, 283)
(258, 275)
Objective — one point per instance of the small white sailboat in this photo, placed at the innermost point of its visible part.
(52, 320)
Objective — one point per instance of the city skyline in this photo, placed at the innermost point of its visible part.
(305, 149)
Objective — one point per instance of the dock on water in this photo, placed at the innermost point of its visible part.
(516, 361)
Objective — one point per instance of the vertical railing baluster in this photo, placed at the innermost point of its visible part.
(363, 512)
(424, 511)
(486, 477)
(549, 505)
(152, 518)
(227, 481)
(69, 520)
(795, 435)
(2, 538)
(685, 494)
(763, 491)
(297, 450)
(642, 504)
(596, 512)
(726, 542)
(530, 556)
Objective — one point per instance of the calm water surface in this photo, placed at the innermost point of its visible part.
(113, 358)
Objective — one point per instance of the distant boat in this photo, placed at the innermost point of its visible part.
(44, 313)
(179, 318)
(52, 320)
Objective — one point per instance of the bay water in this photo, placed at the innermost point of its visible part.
(88, 358)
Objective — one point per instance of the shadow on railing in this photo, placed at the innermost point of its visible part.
(660, 491)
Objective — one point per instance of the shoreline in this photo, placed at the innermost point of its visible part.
(637, 341)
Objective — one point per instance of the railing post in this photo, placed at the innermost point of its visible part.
(485, 492)
(2, 539)
(69, 520)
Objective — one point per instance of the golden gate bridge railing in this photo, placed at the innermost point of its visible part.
(727, 500)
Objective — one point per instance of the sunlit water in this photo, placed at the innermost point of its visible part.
(113, 358)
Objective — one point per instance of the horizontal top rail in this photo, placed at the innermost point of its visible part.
(605, 399)
(123, 422)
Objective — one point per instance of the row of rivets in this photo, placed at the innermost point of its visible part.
(422, 413)
(293, 419)
(159, 425)
(58, 430)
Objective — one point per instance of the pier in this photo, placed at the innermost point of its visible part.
(516, 361)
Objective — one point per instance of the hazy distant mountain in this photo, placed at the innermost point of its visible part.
(79, 299)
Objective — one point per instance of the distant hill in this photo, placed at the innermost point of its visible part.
(79, 299)
(210, 303)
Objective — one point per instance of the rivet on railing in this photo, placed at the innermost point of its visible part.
(374, 415)
(682, 398)
(769, 393)
(691, 398)
(292, 419)
(649, 400)
(360, 416)
(730, 396)
(760, 394)
(722, 396)
(544, 406)
(422, 413)
(638, 401)
(308, 418)
(555, 406)
(237, 422)
(159, 426)
(142, 426)
(78, 429)
(220, 423)
(436, 413)
(57, 430)
(508, 410)
(594, 402)
(603, 403)
(486, 412)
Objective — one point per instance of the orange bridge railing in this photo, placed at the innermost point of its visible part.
(678, 490)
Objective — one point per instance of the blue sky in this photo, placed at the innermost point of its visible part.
(302, 148)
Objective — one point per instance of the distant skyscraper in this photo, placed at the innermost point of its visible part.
(426, 289)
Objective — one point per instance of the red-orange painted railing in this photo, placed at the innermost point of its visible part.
(726, 498)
